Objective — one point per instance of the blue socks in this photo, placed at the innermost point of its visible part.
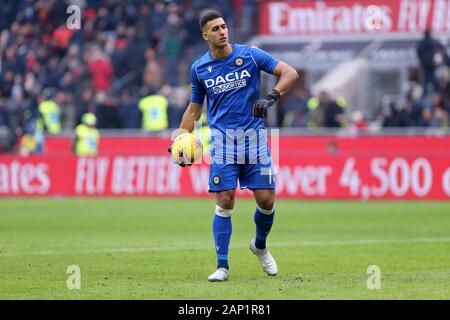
(222, 228)
(222, 233)
(263, 220)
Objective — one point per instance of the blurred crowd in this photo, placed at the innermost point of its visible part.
(122, 52)
(125, 51)
(424, 102)
(414, 109)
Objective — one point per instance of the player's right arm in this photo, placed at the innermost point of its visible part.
(194, 110)
(192, 114)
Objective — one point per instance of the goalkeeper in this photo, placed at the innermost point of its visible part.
(229, 75)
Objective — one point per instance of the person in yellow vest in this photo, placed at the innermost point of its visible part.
(87, 137)
(32, 142)
(316, 110)
(51, 116)
(342, 104)
(154, 112)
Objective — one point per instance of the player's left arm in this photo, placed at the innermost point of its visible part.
(287, 77)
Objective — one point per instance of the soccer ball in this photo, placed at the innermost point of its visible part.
(186, 148)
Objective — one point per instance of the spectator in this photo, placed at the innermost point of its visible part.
(31, 85)
(152, 77)
(72, 61)
(416, 111)
(129, 112)
(86, 139)
(191, 28)
(403, 114)
(426, 117)
(426, 51)
(50, 111)
(57, 12)
(158, 20)
(119, 53)
(7, 84)
(7, 14)
(106, 111)
(442, 73)
(60, 39)
(105, 20)
(317, 107)
(11, 61)
(172, 48)
(136, 49)
(334, 114)
(7, 133)
(84, 105)
(101, 71)
(440, 118)
(52, 73)
(357, 120)
(178, 98)
(295, 109)
(154, 110)
(389, 119)
(33, 140)
(397, 115)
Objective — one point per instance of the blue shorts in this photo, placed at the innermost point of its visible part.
(252, 176)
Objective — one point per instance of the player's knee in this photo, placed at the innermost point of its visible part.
(225, 200)
(266, 202)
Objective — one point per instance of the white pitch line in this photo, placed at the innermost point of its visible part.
(183, 246)
(369, 241)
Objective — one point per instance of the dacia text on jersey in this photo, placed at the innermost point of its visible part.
(231, 81)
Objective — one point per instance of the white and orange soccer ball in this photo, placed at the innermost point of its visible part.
(186, 148)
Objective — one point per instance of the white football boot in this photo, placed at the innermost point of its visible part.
(265, 258)
(221, 274)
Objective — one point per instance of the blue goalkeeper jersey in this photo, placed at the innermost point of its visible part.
(232, 86)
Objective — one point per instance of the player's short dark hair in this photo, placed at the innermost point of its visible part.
(208, 16)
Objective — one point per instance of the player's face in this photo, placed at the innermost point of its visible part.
(216, 33)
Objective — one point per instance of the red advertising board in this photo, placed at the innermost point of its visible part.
(309, 168)
(296, 18)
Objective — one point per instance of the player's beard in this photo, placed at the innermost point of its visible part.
(223, 42)
(221, 45)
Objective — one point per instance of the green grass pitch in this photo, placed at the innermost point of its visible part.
(163, 249)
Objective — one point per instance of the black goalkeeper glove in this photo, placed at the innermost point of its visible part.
(260, 107)
(169, 149)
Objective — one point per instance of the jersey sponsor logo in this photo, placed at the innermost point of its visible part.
(230, 81)
(229, 86)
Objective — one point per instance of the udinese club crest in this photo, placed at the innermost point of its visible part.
(216, 180)
(239, 62)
